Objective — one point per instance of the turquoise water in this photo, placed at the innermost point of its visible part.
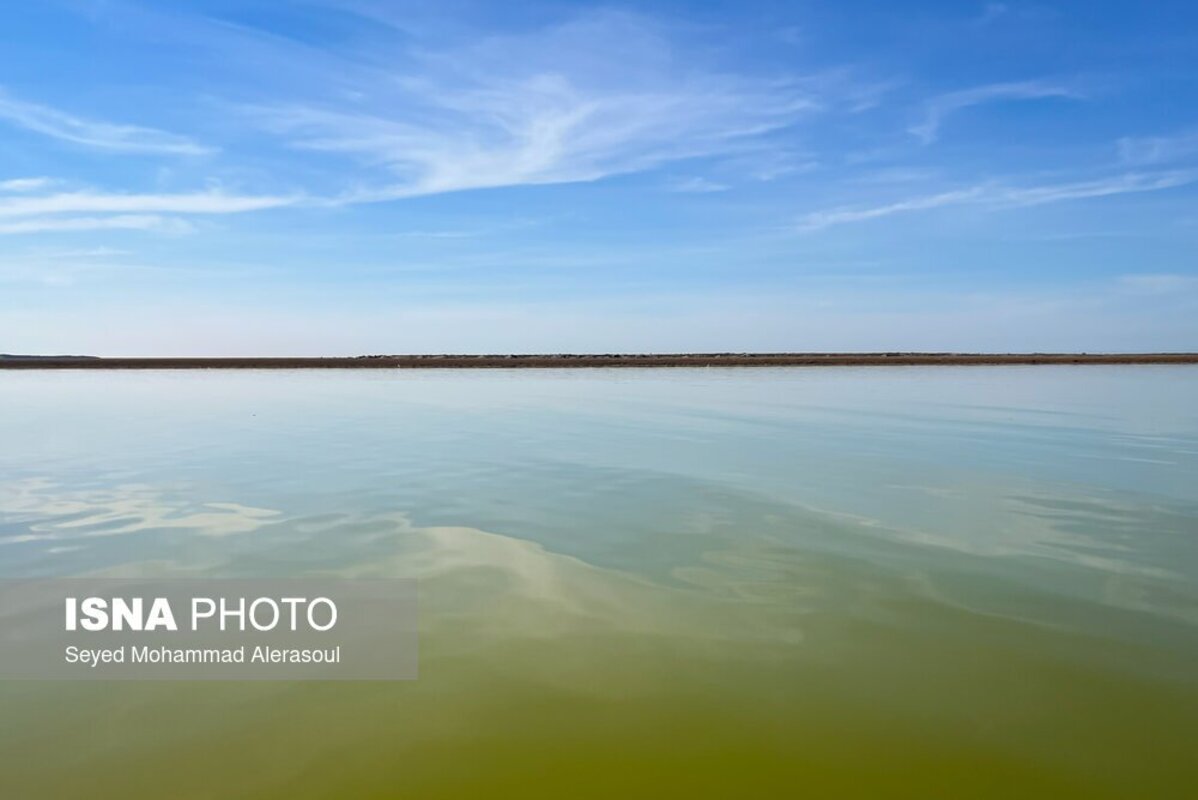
(865, 582)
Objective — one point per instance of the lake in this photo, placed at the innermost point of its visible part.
(891, 581)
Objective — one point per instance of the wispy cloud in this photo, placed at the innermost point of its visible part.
(1103, 187)
(819, 220)
(211, 202)
(1158, 149)
(60, 212)
(94, 133)
(139, 222)
(600, 96)
(1000, 196)
(939, 108)
(697, 185)
(25, 184)
(74, 253)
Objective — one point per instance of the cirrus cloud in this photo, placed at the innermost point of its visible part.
(94, 133)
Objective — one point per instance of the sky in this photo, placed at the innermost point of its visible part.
(338, 177)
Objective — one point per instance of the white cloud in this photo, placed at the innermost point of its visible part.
(996, 195)
(600, 96)
(696, 184)
(76, 253)
(211, 202)
(1158, 149)
(941, 107)
(25, 184)
(1078, 190)
(93, 133)
(58, 213)
(819, 220)
(139, 222)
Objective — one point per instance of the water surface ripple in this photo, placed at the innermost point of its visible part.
(884, 582)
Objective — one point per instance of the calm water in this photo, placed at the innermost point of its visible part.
(944, 582)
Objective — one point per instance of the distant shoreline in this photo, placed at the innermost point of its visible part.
(556, 361)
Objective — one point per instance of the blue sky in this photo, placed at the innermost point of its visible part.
(329, 177)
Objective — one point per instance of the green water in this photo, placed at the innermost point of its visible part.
(888, 582)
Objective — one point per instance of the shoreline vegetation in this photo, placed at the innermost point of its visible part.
(560, 360)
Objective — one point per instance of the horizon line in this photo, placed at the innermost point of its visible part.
(583, 360)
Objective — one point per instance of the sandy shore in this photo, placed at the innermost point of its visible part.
(610, 360)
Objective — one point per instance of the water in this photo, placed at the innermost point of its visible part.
(925, 582)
